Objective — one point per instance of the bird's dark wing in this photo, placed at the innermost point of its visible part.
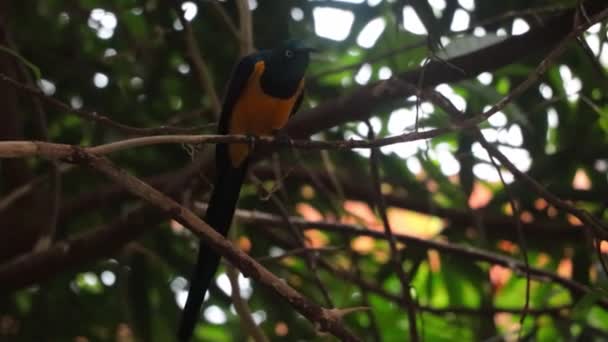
(239, 78)
(298, 103)
(222, 203)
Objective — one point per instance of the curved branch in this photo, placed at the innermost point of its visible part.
(361, 103)
(202, 69)
(26, 148)
(326, 320)
(95, 116)
(472, 253)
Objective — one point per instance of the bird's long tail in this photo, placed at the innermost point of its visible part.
(219, 216)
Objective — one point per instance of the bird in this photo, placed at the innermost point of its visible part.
(264, 91)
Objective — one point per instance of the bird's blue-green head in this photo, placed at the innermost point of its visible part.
(285, 67)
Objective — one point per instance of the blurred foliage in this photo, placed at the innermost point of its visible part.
(127, 59)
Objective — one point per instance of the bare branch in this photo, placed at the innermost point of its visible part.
(19, 149)
(360, 104)
(298, 239)
(242, 308)
(219, 10)
(246, 27)
(395, 255)
(539, 71)
(445, 247)
(326, 320)
(202, 70)
(100, 118)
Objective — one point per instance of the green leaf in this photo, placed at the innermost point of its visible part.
(585, 304)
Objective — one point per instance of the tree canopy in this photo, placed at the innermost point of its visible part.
(446, 178)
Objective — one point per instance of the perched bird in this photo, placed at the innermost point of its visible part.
(264, 91)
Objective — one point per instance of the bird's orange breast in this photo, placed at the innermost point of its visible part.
(257, 113)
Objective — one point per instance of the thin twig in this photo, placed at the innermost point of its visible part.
(530, 12)
(599, 227)
(20, 149)
(313, 176)
(326, 320)
(363, 102)
(242, 308)
(462, 251)
(520, 234)
(365, 298)
(373, 59)
(97, 117)
(279, 177)
(219, 10)
(330, 169)
(456, 115)
(300, 251)
(298, 238)
(423, 42)
(35, 267)
(48, 231)
(245, 27)
(538, 72)
(26, 188)
(202, 70)
(395, 256)
(378, 290)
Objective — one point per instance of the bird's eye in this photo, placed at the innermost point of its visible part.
(288, 53)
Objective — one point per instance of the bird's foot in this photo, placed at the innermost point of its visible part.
(251, 141)
(282, 138)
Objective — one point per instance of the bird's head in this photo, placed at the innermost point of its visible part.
(286, 64)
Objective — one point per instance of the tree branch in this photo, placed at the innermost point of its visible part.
(22, 148)
(360, 104)
(395, 256)
(316, 314)
(472, 253)
(242, 308)
(202, 70)
(99, 118)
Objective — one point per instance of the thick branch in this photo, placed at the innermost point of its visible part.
(472, 253)
(361, 103)
(248, 266)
